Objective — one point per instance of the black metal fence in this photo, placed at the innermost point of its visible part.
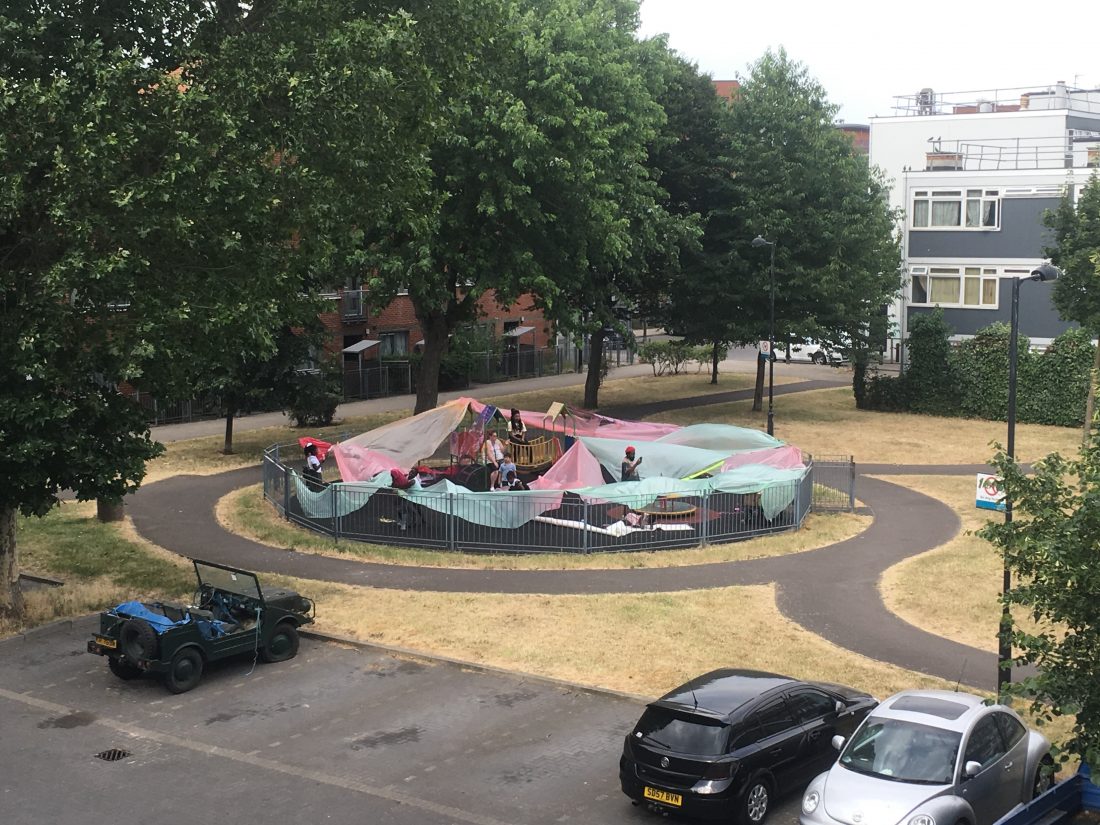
(834, 483)
(542, 522)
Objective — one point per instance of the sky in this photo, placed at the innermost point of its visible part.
(866, 53)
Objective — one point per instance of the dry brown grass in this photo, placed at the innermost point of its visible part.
(826, 422)
(246, 513)
(645, 643)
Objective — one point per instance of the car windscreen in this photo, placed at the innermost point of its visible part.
(234, 581)
(682, 732)
(903, 752)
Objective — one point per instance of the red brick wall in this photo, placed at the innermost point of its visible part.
(400, 316)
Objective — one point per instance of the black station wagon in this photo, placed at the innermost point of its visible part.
(231, 616)
(725, 745)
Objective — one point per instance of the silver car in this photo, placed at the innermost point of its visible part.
(931, 757)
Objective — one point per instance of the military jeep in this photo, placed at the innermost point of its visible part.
(231, 616)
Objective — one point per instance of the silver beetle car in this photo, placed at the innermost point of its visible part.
(931, 757)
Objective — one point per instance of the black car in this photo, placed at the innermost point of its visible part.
(724, 745)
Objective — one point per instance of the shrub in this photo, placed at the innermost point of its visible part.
(1052, 386)
(932, 383)
(314, 402)
(888, 393)
(982, 364)
(671, 356)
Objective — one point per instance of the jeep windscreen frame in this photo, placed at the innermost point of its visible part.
(230, 579)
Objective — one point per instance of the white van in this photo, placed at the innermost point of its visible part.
(818, 353)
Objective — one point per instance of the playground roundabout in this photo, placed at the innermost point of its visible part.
(831, 591)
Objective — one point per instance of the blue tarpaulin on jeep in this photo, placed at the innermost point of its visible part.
(210, 629)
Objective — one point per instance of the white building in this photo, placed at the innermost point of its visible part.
(974, 173)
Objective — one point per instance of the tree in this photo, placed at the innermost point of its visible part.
(692, 158)
(1076, 247)
(800, 184)
(1053, 545)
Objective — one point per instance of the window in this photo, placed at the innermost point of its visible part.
(1010, 727)
(683, 733)
(811, 704)
(956, 209)
(394, 344)
(774, 718)
(972, 287)
(985, 745)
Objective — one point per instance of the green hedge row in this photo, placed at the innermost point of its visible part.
(971, 379)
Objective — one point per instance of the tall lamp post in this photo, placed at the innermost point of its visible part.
(759, 241)
(1044, 272)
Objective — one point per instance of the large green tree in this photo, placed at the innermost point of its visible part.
(1053, 545)
(1076, 245)
(801, 184)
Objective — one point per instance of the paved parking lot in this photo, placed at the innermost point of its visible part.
(340, 734)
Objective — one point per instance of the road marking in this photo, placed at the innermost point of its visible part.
(445, 811)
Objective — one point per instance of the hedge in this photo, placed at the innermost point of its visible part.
(971, 380)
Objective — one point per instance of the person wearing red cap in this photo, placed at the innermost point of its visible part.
(630, 466)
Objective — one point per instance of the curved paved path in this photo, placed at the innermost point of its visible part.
(832, 591)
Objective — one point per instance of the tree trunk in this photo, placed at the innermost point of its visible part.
(434, 329)
(109, 509)
(227, 446)
(595, 371)
(758, 393)
(11, 597)
(1090, 401)
(714, 362)
(859, 377)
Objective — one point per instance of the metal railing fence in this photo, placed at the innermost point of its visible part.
(545, 522)
(834, 483)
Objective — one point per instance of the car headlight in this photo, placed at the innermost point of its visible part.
(811, 800)
(922, 819)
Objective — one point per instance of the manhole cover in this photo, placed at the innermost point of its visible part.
(112, 755)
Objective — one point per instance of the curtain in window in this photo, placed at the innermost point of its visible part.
(989, 291)
(944, 291)
(920, 213)
(946, 213)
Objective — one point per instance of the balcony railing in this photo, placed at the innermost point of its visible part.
(1076, 149)
(1020, 98)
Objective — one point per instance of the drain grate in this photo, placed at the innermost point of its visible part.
(112, 755)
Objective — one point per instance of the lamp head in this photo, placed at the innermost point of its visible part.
(1045, 272)
(759, 241)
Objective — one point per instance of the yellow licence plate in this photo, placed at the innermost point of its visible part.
(663, 796)
(102, 642)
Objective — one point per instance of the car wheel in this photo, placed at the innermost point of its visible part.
(137, 639)
(282, 645)
(755, 803)
(1044, 777)
(184, 671)
(122, 670)
(819, 358)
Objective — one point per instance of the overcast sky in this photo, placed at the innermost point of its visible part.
(865, 53)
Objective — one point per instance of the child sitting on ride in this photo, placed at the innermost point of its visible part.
(507, 467)
(512, 482)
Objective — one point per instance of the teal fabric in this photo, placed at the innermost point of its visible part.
(507, 510)
(724, 437)
(658, 459)
(347, 497)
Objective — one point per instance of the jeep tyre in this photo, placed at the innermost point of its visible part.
(137, 639)
(123, 670)
(282, 645)
(184, 671)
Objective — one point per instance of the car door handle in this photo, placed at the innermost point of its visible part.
(775, 752)
(1008, 766)
(814, 735)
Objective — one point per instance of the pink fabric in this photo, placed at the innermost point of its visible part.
(787, 457)
(577, 468)
(362, 464)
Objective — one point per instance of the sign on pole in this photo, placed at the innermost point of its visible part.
(765, 349)
(988, 493)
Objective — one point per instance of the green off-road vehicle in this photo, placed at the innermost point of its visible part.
(231, 616)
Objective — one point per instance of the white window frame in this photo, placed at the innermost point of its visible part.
(979, 195)
(985, 274)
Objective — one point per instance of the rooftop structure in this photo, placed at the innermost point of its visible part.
(994, 101)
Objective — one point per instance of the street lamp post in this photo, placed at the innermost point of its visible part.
(759, 241)
(1045, 272)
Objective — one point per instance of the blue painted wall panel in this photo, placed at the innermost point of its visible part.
(1022, 235)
